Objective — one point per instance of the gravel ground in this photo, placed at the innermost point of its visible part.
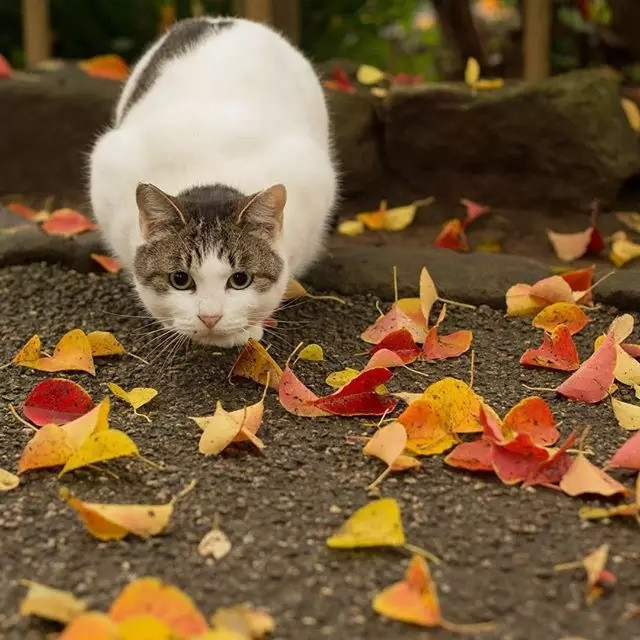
(498, 544)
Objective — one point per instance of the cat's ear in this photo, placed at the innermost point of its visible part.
(156, 209)
(266, 209)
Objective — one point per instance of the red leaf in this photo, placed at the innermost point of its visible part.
(628, 455)
(516, 460)
(358, 397)
(108, 67)
(558, 351)
(533, 416)
(450, 346)
(23, 211)
(392, 321)
(592, 381)
(491, 427)
(107, 262)
(401, 342)
(632, 349)
(5, 67)
(67, 222)
(474, 211)
(452, 236)
(56, 401)
(473, 456)
(384, 359)
(551, 471)
(296, 398)
(340, 81)
(596, 243)
(580, 280)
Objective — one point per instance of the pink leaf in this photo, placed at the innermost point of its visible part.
(628, 455)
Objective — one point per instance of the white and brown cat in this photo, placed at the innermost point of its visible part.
(215, 184)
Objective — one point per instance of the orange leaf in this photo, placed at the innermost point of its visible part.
(533, 416)
(426, 429)
(296, 398)
(150, 596)
(108, 67)
(457, 403)
(414, 599)
(96, 626)
(580, 282)
(26, 212)
(452, 236)
(108, 263)
(72, 353)
(558, 351)
(584, 477)
(567, 313)
(49, 447)
(441, 347)
(67, 222)
(387, 443)
(104, 343)
(472, 456)
(394, 320)
(552, 289)
(255, 363)
(516, 460)
(384, 358)
(5, 67)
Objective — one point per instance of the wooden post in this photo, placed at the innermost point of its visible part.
(537, 39)
(258, 10)
(286, 18)
(36, 33)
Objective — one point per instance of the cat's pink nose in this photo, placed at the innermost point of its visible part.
(210, 321)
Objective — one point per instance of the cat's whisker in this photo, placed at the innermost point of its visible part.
(162, 338)
(165, 347)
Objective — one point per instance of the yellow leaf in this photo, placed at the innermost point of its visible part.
(472, 72)
(312, 352)
(488, 84)
(144, 627)
(296, 290)
(488, 246)
(377, 524)
(72, 353)
(215, 544)
(623, 250)
(49, 447)
(379, 92)
(78, 430)
(30, 353)
(247, 623)
(96, 626)
(351, 228)
(456, 403)
(632, 112)
(8, 480)
(99, 447)
(338, 379)
(255, 363)
(369, 75)
(399, 218)
(115, 521)
(627, 370)
(137, 397)
(428, 294)
(50, 604)
(627, 415)
(104, 343)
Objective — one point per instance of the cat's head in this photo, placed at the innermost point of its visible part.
(211, 266)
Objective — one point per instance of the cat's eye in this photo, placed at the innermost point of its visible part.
(240, 280)
(181, 280)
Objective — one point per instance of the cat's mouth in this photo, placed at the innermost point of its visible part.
(225, 338)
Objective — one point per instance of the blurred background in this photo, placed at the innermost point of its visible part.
(433, 38)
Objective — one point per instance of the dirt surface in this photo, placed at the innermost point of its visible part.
(498, 544)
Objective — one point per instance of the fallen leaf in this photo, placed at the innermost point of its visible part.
(627, 415)
(623, 250)
(351, 228)
(553, 289)
(438, 347)
(67, 222)
(566, 313)
(629, 218)
(137, 397)
(413, 600)
(116, 521)
(597, 575)
(312, 352)
(428, 294)
(358, 397)
(295, 290)
(570, 246)
(104, 343)
(379, 92)
(632, 112)
(109, 264)
(339, 81)
(255, 363)
(598, 513)
(621, 327)
(474, 211)
(144, 627)
(452, 236)
(558, 351)
(471, 72)
(5, 67)
(72, 353)
(215, 543)
(400, 343)
(369, 75)
(427, 430)
(532, 416)
(377, 524)
(584, 477)
(628, 455)
(458, 404)
(247, 623)
(100, 447)
(627, 369)
(387, 443)
(580, 281)
(518, 459)
(107, 67)
(521, 302)
(399, 218)
(551, 471)
(50, 604)
(384, 358)
(296, 398)
(49, 447)
(94, 625)
(393, 320)
(472, 456)
(489, 84)
(151, 596)
(592, 381)
(338, 379)
(27, 212)
(56, 401)
(8, 481)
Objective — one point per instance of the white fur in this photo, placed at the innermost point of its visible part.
(243, 108)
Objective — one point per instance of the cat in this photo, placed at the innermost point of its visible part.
(216, 182)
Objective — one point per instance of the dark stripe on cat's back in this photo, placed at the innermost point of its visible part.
(182, 37)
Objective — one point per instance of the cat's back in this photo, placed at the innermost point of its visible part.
(204, 67)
